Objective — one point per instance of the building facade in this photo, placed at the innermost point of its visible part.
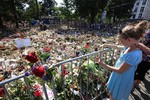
(141, 10)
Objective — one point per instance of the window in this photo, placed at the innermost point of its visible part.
(142, 9)
(140, 15)
(144, 2)
(137, 3)
(135, 10)
(133, 16)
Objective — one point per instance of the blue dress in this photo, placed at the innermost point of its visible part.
(120, 84)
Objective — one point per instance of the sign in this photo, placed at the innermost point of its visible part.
(23, 42)
(50, 93)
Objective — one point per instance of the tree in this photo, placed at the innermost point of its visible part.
(11, 10)
(37, 9)
(120, 9)
(3, 11)
(66, 11)
(14, 11)
(32, 12)
(88, 9)
(47, 7)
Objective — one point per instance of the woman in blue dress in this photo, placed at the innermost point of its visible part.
(122, 77)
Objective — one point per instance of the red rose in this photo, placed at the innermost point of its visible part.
(86, 46)
(37, 90)
(39, 71)
(32, 57)
(64, 72)
(37, 94)
(2, 92)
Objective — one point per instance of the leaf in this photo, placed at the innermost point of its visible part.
(49, 74)
(90, 64)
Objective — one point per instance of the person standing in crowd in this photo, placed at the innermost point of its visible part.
(122, 77)
(144, 66)
(144, 48)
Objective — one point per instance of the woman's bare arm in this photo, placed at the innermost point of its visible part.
(113, 46)
(144, 48)
(123, 67)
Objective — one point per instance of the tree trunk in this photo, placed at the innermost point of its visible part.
(37, 9)
(1, 22)
(114, 18)
(68, 23)
(15, 13)
(92, 17)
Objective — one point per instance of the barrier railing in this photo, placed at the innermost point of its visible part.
(76, 78)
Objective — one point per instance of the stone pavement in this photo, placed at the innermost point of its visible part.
(143, 92)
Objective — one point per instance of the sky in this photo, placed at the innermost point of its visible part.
(58, 1)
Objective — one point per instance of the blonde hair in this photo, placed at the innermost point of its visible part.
(134, 31)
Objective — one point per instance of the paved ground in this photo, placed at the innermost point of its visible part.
(143, 92)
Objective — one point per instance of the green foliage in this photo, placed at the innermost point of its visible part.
(43, 56)
(89, 8)
(12, 10)
(49, 73)
(70, 39)
(17, 92)
(85, 50)
(47, 8)
(31, 11)
(90, 64)
(89, 72)
(65, 13)
(119, 9)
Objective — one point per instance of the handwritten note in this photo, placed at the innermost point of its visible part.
(23, 43)
(50, 93)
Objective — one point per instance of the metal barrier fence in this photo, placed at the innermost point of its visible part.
(77, 78)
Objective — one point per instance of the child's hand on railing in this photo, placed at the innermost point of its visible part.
(114, 46)
(101, 63)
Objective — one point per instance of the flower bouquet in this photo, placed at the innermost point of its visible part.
(40, 70)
